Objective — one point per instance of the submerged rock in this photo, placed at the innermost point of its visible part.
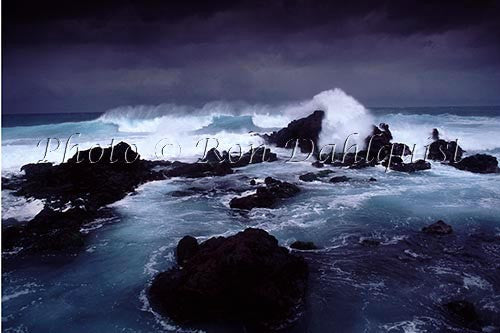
(324, 173)
(370, 242)
(266, 196)
(479, 163)
(244, 278)
(339, 179)
(304, 246)
(308, 177)
(306, 130)
(313, 176)
(438, 228)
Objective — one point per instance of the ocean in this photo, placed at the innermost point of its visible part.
(398, 286)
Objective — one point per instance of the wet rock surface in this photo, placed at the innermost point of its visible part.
(442, 150)
(479, 163)
(397, 164)
(303, 246)
(339, 179)
(266, 196)
(73, 192)
(244, 278)
(306, 130)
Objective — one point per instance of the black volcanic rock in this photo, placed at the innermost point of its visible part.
(464, 313)
(324, 173)
(266, 196)
(197, 170)
(317, 164)
(313, 176)
(308, 177)
(339, 179)
(306, 129)
(479, 163)
(379, 145)
(254, 155)
(49, 231)
(74, 192)
(370, 242)
(245, 278)
(438, 228)
(380, 137)
(397, 164)
(351, 160)
(303, 246)
(443, 151)
(92, 179)
(186, 248)
(96, 181)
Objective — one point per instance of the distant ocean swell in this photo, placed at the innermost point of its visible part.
(235, 123)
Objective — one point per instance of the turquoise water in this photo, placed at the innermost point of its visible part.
(397, 286)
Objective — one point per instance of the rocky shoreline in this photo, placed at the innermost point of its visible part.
(246, 277)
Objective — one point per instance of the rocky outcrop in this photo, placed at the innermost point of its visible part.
(308, 177)
(397, 164)
(303, 246)
(245, 278)
(92, 177)
(74, 191)
(339, 179)
(379, 144)
(479, 163)
(186, 249)
(49, 231)
(306, 130)
(266, 196)
(438, 228)
(197, 170)
(443, 151)
(254, 155)
(378, 148)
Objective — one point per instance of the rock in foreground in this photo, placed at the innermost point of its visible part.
(244, 278)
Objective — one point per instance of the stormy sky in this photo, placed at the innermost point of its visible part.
(85, 56)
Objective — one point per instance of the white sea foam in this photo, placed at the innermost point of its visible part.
(173, 126)
(19, 208)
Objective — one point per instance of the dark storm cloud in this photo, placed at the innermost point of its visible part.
(65, 56)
